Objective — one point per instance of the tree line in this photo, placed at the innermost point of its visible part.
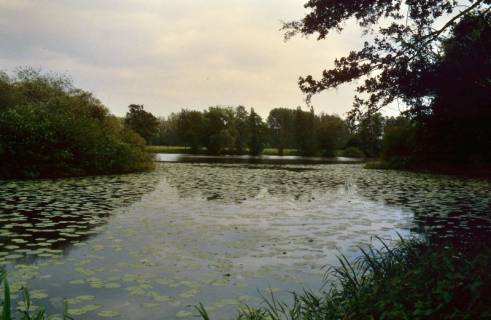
(237, 130)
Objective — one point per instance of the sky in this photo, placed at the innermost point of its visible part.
(169, 55)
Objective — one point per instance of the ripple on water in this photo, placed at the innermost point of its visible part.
(151, 244)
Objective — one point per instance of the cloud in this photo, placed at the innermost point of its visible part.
(173, 54)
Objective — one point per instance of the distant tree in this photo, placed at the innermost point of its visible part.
(332, 134)
(305, 132)
(167, 131)
(220, 130)
(281, 124)
(257, 137)
(370, 133)
(142, 122)
(399, 140)
(191, 129)
(242, 129)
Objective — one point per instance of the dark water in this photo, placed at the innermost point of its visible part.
(151, 245)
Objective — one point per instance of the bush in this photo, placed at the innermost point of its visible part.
(50, 129)
(353, 152)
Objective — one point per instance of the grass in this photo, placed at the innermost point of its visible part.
(25, 312)
(412, 280)
(185, 150)
(167, 149)
(274, 152)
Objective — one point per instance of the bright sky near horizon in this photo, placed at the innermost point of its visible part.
(176, 54)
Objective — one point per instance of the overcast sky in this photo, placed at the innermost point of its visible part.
(173, 54)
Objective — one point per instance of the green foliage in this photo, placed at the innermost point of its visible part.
(257, 133)
(242, 129)
(332, 134)
(219, 129)
(275, 151)
(50, 129)
(305, 132)
(167, 149)
(25, 312)
(227, 130)
(280, 122)
(412, 280)
(399, 139)
(191, 129)
(142, 122)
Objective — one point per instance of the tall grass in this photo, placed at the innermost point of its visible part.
(411, 280)
(24, 313)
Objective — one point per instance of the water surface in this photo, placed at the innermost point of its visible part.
(152, 245)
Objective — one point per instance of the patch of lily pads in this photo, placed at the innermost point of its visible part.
(220, 234)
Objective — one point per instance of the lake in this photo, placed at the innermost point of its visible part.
(152, 245)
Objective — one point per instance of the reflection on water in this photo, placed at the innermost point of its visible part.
(244, 159)
(214, 233)
(43, 218)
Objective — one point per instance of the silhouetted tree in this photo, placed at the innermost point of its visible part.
(457, 124)
(405, 39)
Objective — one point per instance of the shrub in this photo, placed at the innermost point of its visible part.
(50, 129)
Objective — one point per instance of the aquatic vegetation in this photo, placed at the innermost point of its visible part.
(155, 243)
(25, 311)
(412, 280)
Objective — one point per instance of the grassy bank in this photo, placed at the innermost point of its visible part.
(185, 150)
(412, 280)
(350, 152)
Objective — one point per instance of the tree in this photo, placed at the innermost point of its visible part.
(458, 126)
(49, 128)
(332, 134)
(370, 133)
(242, 129)
(219, 129)
(407, 38)
(399, 141)
(191, 129)
(281, 122)
(257, 134)
(305, 132)
(142, 122)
